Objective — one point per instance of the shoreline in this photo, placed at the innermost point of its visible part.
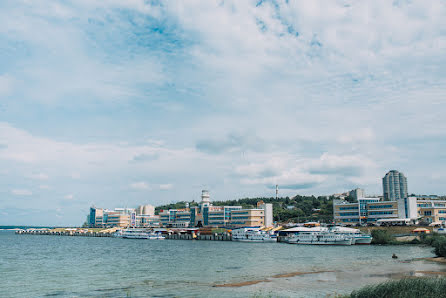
(434, 259)
(257, 281)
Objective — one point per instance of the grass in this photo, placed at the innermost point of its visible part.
(407, 287)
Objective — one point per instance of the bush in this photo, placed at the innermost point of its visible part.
(382, 237)
(440, 246)
(407, 287)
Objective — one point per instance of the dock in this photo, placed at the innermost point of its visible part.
(87, 233)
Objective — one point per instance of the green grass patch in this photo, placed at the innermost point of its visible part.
(407, 287)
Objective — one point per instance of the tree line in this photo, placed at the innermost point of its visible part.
(285, 209)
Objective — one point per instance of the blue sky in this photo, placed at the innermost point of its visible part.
(120, 103)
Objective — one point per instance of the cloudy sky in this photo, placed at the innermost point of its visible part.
(120, 103)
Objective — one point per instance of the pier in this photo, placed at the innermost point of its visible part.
(85, 233)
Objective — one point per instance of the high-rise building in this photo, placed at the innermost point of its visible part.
(394, 186)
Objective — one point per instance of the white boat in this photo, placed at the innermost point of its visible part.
(156, 236)
(318, 236)
(138, 234)
(252, 235)
(118, 234)
(358, 237)
(135, 234)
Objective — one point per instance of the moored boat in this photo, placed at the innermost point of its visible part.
(358, 237)
(138, 234)
(318, 236)
(253, 235)
(156, 236)
(135, 234)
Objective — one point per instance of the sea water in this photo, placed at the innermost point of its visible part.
(64, 266)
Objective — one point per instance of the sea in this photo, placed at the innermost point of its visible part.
(64, 266)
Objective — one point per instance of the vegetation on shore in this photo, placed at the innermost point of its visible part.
(295, 209)
(406, 287)
(438, 242)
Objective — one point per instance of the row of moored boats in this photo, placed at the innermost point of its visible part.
(300, 235)
(304, 235)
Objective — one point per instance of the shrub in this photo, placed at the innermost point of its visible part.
(382, 237)
(407, 287)
(440, 246)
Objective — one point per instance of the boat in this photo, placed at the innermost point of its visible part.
(318, 236)
(156, 236)
(135, 234)
(118, 234)
(358, 237)
(253, 235)
(138, 234)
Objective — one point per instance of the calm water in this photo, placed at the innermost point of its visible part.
(36, 266)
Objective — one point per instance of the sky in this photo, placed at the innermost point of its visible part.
(121, 103)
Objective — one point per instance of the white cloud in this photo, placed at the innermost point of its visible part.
(69, 197)
(165, 186)
(6, 85)
(140, 185)
(75, 175)
(363, 135)
(43, 186)
(39, 176)
(21, 192)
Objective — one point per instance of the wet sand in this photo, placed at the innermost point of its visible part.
(253, 282)
(437, 259)
(291, 274)
(442, 273)
(241, 284)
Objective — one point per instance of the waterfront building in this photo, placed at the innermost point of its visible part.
(432, 211)
(145, 210)
(94, 212)
(207, 215)
(143, 216)
(374, 210)
(268, 212)
(394, 186)
(247, 218)
(117, 219)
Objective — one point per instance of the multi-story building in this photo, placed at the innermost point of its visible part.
(247, 218)
(357, 193)
(394, 186)
(205, 214)
(373, 210)
(432, 211)
(142, 216)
